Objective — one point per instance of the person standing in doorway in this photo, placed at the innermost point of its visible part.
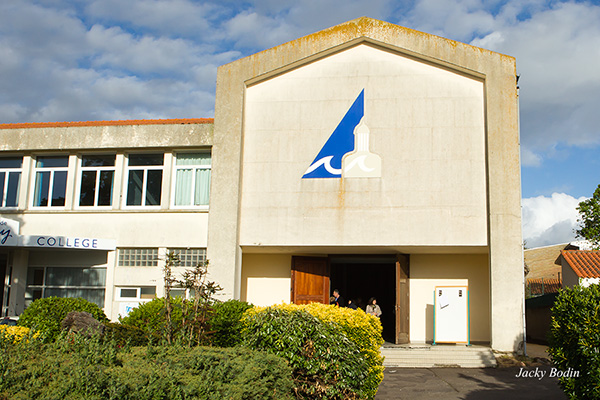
(339, 300)
(372, 307)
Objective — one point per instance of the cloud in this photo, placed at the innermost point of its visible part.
(549, 220)
(170, 18)
(557, 56)
(56, 66)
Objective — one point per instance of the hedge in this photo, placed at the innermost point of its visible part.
(225, 322)
(74, 367)
(575, 341)
(334, 352)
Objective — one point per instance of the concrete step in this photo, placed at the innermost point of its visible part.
(426, 356)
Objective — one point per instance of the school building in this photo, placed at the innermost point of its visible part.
(366, 157)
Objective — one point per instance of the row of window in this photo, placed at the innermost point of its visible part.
(96, 175)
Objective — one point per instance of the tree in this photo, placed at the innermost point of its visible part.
(589, 219)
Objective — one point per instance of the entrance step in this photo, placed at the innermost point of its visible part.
(437, 356)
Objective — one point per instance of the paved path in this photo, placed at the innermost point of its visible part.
(465, 384)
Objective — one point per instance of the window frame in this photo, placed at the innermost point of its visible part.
(4, 189)
(44, 286)
(195, 167)
(145, 169)
(98, 169)
(138, 297)
(52, 171)
(182, 263)
(154, 260)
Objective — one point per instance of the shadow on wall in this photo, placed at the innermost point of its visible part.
(429, 321)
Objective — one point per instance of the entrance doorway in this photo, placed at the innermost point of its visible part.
(359, 278)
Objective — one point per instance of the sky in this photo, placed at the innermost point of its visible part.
(82, 60)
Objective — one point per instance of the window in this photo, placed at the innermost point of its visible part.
(189, 257)
(136, 293)
(144, 182)
(50, 181)
(136, 257)
(192, 179)
(88, 283)
(97, 174)
(10, 177)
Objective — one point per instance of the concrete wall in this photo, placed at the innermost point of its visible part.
(502, 169)
(429, 271)
(266, 278)
(427, 125)
(569, 277)
(96, 136)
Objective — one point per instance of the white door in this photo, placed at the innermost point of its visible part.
(451, 323)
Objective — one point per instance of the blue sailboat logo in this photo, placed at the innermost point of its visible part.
(328, 163)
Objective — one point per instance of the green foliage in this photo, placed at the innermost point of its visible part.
(127, 335)
(74, 367)
(151, 316)
(575, 340)
(45, 315)
(326, 363)
(589, 219)
(197, 311)
(362, 329)
(225, 322)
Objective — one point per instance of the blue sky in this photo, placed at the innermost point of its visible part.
(111, 59)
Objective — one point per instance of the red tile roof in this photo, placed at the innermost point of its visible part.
(585, 263)
(543, 286)
(108, 123)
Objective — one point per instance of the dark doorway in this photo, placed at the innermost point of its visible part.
(358, 278)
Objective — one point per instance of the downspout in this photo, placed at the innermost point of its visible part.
(523, 263)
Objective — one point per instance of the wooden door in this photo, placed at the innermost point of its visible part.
(310, 280)
(402, 299)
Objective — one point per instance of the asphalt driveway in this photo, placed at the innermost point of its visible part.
(467, 384)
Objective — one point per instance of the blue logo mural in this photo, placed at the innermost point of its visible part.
(328, 163)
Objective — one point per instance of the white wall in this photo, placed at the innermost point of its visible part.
(427, 125)
(429, 271)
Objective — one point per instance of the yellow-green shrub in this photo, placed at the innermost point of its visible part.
(361, 329)
(16, 333)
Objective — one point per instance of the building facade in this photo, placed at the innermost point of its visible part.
(366, 157)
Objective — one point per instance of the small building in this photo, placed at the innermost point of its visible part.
(366, 157)
(580, 267)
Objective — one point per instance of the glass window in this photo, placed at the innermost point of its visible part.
(144, 181)
(10, 177)
(50, 181)
(192, 179)
(86, 282)
(137, 257)
(97, 175)
(189, 257)
(136, 293)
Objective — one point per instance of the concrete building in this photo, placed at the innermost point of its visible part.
(367, 157)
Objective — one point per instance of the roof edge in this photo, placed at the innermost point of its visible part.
(175, 121)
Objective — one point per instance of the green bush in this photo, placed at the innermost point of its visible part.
(127, 335)
(326, 363)
(225, 322)
(362, 329)
(74, 367)
(151, 316)
(45, 315)
(575, 340)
